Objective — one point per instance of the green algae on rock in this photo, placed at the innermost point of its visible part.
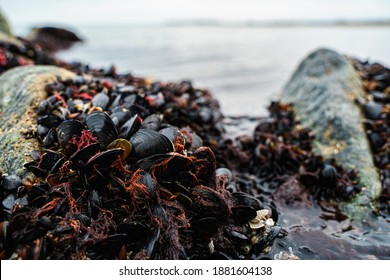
(323, 91)
(21, 89)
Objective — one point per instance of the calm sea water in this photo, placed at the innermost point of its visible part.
(244, 67)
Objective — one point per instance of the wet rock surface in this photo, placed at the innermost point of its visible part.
(323, 91)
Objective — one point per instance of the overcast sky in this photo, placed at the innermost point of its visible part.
(74, 12)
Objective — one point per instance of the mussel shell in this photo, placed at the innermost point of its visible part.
(207, 225)
(373, 110)
(152, 122)
(245, 199)
(100, 100)
(123, 144)
(48, 159)
(85, 153)
(328, 176)
(67, 129)
(50, 120)
(243, 214)
(146, 142)
(102, 127)
(130, 127)
(105, 158)
(152, 242)
(50, 139)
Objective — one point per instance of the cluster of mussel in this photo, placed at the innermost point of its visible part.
(278, 163)
(123, 173)
(376, 107)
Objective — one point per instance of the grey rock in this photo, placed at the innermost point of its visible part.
(21, 90)
(323, 91)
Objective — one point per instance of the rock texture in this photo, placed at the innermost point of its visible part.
(21, 89)
(323, 91)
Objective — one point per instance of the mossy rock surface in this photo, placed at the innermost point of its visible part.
(21, 90)
(323, 91)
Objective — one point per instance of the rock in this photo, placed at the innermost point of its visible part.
(323, 90)
(21, 90)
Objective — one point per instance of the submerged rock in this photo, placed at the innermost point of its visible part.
(21, 89)
(323, 91)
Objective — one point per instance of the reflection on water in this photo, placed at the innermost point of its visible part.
(244, 67)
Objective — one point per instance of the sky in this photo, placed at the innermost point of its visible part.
(123, 11)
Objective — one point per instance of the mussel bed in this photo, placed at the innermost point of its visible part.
(129, 168)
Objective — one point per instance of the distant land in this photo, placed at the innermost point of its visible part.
(278, 23)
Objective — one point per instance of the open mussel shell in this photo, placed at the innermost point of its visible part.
(146, 142)
(67, 129)
(122, 144)
(102, 127)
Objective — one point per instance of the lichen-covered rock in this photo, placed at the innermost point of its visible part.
(21, 89)
(323, 91)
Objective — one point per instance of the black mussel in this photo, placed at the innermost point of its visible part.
(152, 122)
(381, 97)
(105, 159)
(187, 178)
(243, 214)
(39, 172)
(209, 203)
(44, 223)
(146, 142)
(238, 237)
(68, 129)
(328, 176)
(100, 100)
(42, 131)
(102, 127)
(43, 107)
(50, 139)
(373, 110)
(47, 160)
(152, 242)
(85, 153)
(107, 248)
(56, 167)
(245, 199)
(50, 120)
(171, 166)
(119, 116)
(84, 219)
(184, 200)
(376, 141)
(135, 231)
(130, 127)
(11, 182)
(148, 162)
(173, 134)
